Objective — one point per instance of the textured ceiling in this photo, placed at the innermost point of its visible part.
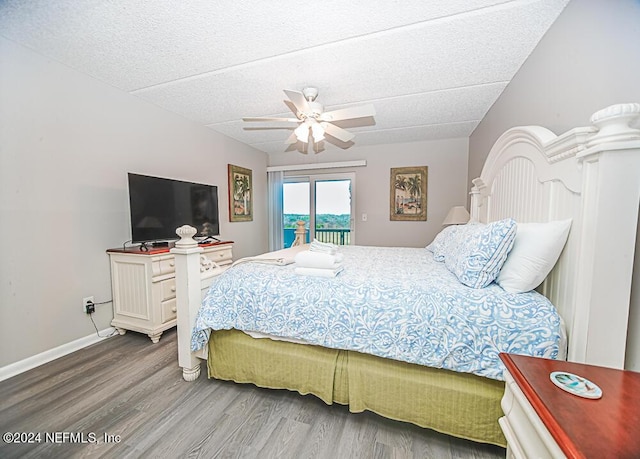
(432, 69)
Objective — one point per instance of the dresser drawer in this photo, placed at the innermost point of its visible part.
(168, 310)
(163, 266)
(168, 289)
(167, 266)
(220, 256)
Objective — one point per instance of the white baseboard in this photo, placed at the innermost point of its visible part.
(21, 366)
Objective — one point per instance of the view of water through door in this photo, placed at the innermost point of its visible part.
(324, 203)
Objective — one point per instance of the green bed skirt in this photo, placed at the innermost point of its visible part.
(458, 404)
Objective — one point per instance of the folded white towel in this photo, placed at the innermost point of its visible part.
(310, 259)
(324, 247)
(280, 261)
(319, 272)
(281, 257)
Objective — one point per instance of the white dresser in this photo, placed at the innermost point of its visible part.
(144, 288)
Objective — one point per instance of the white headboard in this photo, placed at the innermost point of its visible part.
(591, 175)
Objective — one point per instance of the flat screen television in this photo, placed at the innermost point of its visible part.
(159, 205)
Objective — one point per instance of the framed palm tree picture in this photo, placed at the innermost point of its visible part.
(240, 194)
(408, 200)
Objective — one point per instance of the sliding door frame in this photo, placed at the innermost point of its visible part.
(312, 179)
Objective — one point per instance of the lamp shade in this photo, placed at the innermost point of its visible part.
(458, 215)
(317, 132)
(302, 133)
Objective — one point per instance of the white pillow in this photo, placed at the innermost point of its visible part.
(535, 252)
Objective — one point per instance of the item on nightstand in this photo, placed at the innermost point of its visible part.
(458, 215)
(576, 385)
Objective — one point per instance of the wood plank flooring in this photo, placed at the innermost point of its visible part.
(128, 387)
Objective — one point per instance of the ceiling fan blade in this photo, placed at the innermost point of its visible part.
(362, 111)
(337, 132)
(266, 128)
(291, 139)
(291, 106)
(290, 120)
(298, 100)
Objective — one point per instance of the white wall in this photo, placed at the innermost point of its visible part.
(446, 187)
(589, 59)
(67, 142)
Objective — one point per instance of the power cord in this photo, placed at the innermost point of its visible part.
(93, 305)
(103, 302)
(207, 239)
(114, 332)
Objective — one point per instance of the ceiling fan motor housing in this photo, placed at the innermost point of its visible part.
(315, 110)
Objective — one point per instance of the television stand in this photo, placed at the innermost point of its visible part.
(144, 285)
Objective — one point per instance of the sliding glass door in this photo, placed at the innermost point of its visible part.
(325, 203)
(296, 207)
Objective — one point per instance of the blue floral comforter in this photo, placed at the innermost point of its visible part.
(397, 303)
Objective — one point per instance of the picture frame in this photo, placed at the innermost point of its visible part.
(408, 193)
(240, 194)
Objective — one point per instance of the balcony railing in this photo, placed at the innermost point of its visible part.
(338, 236)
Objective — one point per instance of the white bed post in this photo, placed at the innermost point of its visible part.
(188, 297)
(478, 208)
(611, 193)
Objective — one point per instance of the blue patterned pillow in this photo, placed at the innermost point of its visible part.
(441, 242)
(477, 252)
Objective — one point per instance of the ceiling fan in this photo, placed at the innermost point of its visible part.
(313, 122)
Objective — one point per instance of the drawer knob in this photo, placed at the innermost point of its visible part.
(174, 309)
(173, 288)
(172, 263)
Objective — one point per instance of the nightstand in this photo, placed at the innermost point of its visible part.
(541, 420)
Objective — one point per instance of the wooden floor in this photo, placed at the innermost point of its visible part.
(128, 387)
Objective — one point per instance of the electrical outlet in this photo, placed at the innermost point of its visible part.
(88, 305)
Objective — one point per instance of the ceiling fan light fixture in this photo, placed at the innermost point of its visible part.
(318, 132)
(302, 133)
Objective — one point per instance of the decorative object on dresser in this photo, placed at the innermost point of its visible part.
(541, 420)
(144, 287)
(240, 194)
(408, 187)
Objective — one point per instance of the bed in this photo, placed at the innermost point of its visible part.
(588, 176)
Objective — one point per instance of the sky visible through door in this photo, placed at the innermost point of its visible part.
(332, 208)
